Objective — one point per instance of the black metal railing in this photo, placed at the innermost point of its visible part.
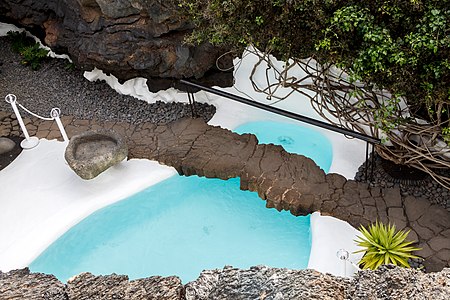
(364, 137)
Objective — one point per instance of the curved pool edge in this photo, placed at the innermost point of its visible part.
(267, 231)
(294, 137)
(328, 236)
(24, 250)
(81, 198)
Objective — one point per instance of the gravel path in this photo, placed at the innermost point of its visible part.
(54, 85)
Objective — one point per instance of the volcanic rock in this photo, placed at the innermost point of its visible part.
(139, 38)
(6, 145)
(93, 152)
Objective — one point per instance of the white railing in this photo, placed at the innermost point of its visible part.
(31, 142)
(348, 267)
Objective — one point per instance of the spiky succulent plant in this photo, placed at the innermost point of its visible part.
(383, 245)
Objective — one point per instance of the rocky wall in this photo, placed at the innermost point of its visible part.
(387, 282)
(127, 38)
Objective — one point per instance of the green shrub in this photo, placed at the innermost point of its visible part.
(382, 245)
(400, 45)
(19, 40)
(30, 51)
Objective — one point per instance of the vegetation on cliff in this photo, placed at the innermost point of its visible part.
(389, 52)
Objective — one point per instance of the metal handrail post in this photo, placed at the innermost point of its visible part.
(372, 162)
(366, 163)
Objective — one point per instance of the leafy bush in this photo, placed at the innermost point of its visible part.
(382, 245)
(30, 51)
(400, 45)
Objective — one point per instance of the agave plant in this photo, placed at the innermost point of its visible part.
(382, 245)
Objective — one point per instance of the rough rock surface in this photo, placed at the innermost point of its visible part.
(8, 157)
(265, 283)
(55, 85)
(286, 181)
(87, 286)
(21, 284)
(127, 38)
(388, 282)
(93, 152)
(425, 187)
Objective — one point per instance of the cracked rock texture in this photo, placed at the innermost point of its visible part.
(265, 283)
(21, 284)
(127, 38)
(87, 286)
(388, 282)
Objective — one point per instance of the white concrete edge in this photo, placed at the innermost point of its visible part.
(24, 249)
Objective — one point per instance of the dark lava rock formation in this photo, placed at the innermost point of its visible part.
(127, 38)
(388, 282)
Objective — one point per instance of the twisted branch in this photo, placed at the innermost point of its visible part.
(363, 108)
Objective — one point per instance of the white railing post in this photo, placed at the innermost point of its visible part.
(343, 255)
(28, 142)
(55, 113)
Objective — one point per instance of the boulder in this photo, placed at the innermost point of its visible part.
(21, 284)
(93, 152)
(6, 145)
(88, 286)
(126, 38)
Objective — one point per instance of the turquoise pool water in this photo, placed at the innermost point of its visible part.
(293, 138)
(180, 226)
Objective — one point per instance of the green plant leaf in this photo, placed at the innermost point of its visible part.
(383, 245)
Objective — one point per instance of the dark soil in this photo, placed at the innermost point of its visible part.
(402, 172)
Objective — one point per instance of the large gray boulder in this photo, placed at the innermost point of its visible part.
(126, 38)
(93, 152)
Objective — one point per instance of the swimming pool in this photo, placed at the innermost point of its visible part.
(294, 139)
(180, 226)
